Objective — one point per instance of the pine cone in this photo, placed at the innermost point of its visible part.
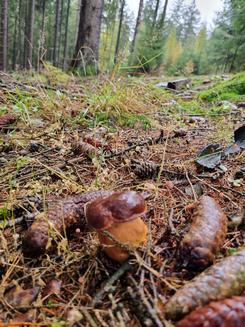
(149, 169)
(224, 279)
(7, 119)
(61, 214)
(146, 169)
(206, 235)
(85, 148)
(225, 313)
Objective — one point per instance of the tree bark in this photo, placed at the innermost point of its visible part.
(119, 30)
(57, 33)
(163, 16)
(18, 59)
(29, 30)
(41, 51)
(155, 13)
(3, 34)
(66, 33)
(60, 29)
(234, 58)
(79, 5)
(43, 27)
(88, 37)
(141, 6)
(15, 38)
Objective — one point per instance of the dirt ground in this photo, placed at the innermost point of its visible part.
(42, 159)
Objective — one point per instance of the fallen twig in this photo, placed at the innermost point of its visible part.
(126, 266)
(151, 141)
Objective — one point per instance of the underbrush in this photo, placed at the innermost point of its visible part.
(123, 102)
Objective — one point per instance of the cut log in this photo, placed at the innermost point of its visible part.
(179, 84)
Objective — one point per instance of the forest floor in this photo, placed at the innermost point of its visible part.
(43, 157)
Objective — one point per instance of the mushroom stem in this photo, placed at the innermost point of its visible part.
(122, 239)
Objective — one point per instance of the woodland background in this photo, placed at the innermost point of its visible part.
(66, 136)
(98, 35)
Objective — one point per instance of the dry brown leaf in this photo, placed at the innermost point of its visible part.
(18, 297)
(53, 286)
(28, 316)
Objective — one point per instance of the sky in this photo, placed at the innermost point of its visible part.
(207, 8)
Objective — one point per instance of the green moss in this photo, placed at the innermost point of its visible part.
(232, 90)
(191, 107)
(54, 75)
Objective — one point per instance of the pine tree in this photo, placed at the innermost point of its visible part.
(29, 31)
(173, 49)
(57, 29)
(200, 52)
(227, 43)
(121, 14)
(191, 19)
(108, 34)
(136, 30)
(177, 17)
(3, 34)
(88, 39)
(66, 33)
(149, 51)
(163, 15)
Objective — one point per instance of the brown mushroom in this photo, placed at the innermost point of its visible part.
(119, 214)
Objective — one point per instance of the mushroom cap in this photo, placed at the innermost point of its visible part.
(116, 208)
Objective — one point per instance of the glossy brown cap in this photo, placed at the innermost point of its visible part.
(117, 208)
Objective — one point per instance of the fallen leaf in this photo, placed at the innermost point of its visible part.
(74, 316)
(210, 156)
(28, 316)
(18, 297)
(198, 189)
(53, 286)
(239, 136)
(232, 149)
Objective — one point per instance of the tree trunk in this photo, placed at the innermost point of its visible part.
(119, 31)
(234, 58)
(29, 30)
(43, 30)
(20, 46)
(60, 29)
(41, 51)
(15, 38)
(3, 34)
(79, 5)
(111, 60)
(155, 14)
(163, 16)
(57, 33)
(88, 37)
(141, 6)
(66, 33)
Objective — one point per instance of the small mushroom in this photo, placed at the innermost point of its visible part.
(119, 214)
